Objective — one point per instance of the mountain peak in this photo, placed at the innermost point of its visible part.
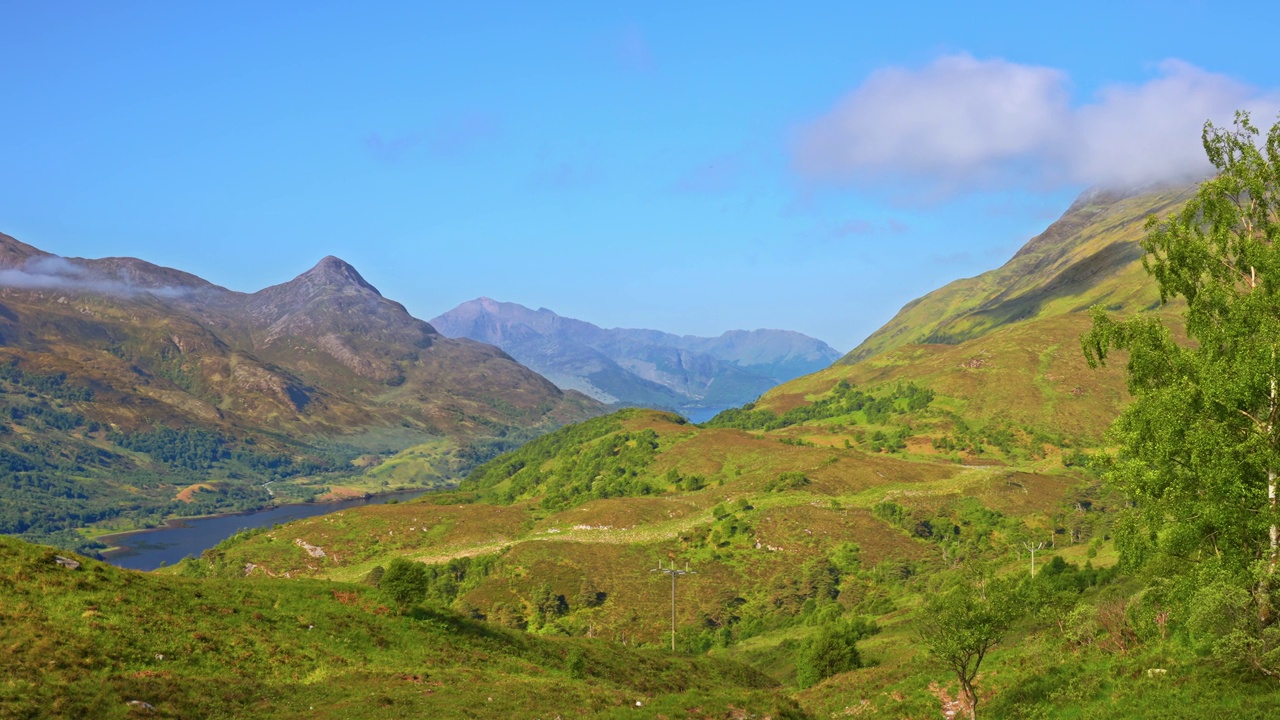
(330, 297)
(335, 272)
(650, 368)
(13, 253)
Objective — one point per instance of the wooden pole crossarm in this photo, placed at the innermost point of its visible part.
(674, 573)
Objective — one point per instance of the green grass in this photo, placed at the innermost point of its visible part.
(760, 550)
(745, 534)
(1089, 255)
(1003, 346)
(756, 547)
(838, 511)
(87, 642)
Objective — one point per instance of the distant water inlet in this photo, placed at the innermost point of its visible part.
(150, 549)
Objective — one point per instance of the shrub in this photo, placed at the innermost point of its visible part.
(405, 582)
(833, 650)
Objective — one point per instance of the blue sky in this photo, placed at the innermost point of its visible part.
(690, 167)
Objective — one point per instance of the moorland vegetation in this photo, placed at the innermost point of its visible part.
(132, 393)
(948, 520)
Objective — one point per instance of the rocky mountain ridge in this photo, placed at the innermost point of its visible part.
(696, 376)
(291, 371)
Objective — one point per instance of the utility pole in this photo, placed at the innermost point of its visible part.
(674, 573)
(1032, 548)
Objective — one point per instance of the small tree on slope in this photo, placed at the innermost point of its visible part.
(961, 626)
(405, 582)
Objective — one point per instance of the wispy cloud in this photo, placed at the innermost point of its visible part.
(1019, 208)
(865, 228)
(1135, 134)
(961, 124)
(51, 272)
(452, 137)
(566, 175)
(958, 258)
(390, 149)
(633, 50)
(461, 134)
(717, 175)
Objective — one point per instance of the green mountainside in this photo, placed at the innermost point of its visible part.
(827, 532)
(605, 500)
(96, 641)
(1003, 348)
(834, 511)
(1090, 255)
(795, 534)
(130, 391)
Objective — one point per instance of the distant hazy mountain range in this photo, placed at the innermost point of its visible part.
(695, 376)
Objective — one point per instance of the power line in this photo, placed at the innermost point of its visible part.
(1032, 548)
(674, 573)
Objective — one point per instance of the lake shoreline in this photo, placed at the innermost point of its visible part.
(119, 548)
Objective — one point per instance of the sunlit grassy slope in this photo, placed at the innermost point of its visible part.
(937, 453)
(1005, 345)
(100, 642)
(786, 531)
(767, 509)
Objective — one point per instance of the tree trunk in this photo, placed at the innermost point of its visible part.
(1271, 473)
(1265, 614)
(970, 699)
(1275, 531)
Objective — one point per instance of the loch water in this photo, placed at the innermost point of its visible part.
(178, 539)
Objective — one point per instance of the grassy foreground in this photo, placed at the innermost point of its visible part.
(790, 540)
(100, 642)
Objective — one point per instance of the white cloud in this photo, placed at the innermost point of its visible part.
(50, 272)
(1133, 135)
(951, 120)
(962, 124)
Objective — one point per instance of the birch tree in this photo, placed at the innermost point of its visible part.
(1200, 444)
(960, 627)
